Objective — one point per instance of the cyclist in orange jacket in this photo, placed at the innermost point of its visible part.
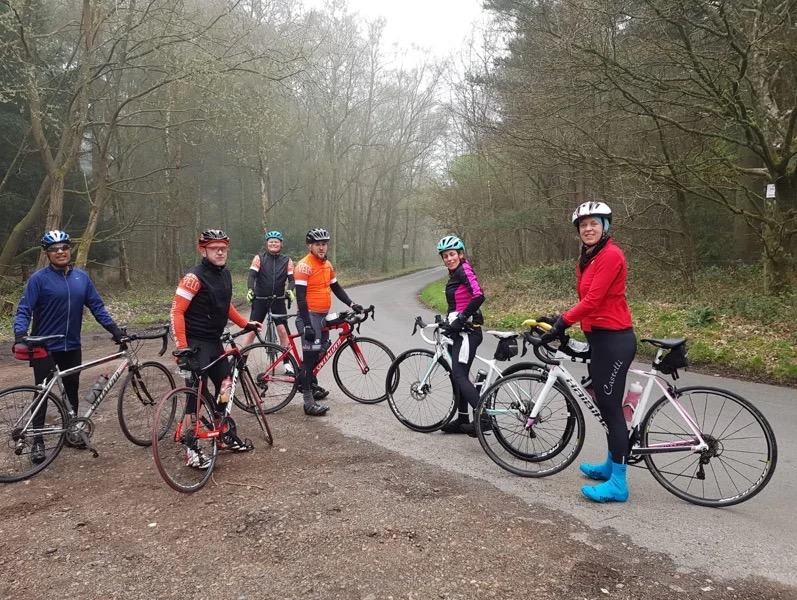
(315, 283)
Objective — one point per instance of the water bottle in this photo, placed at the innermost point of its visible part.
(94, 390)
(481, 375)
(224, 390)
(631, 400)
(577, 346)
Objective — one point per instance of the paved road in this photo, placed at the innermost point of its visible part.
(755, 538)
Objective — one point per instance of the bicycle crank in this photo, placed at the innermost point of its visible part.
(79, 432)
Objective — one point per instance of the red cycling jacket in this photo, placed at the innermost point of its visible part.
(601, 291)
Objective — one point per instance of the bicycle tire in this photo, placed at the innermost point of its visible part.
(549, 446)
(16, 404)
(143, 387)
(271, 333)
(168, 449)
(363, 362)
(255, 403)
(729, 424)
(426, 408)
(276, 390)
(522, 367)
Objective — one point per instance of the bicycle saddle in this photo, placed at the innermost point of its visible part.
(664, 343)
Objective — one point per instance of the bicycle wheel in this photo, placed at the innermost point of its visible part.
(419, 391)
(170, 449)
(143, 387)
(18, 435)
(268, 364)
(742, 452)
(549, 445)
(255, 405)
(522, 367)
(271, 333)
(360, 367)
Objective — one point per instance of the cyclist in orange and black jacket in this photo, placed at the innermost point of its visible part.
(200, 310)
(605, 319)
(315, 283)
(464, 296)
(271, 274)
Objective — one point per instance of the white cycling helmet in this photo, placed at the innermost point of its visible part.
(593, 209)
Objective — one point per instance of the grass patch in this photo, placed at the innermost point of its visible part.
(729, 328)
(150, 301)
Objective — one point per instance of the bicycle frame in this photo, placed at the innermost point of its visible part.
(201, 387)
(556, 372)
(269, 325)
(346, 333)
(58, 376)
(46, 387)
(442, 350)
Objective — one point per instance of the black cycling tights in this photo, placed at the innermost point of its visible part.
(610, 358)
(464, 390)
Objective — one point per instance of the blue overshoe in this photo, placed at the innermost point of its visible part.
(601, 471)
(613, 490)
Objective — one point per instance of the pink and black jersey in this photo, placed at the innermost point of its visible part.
(464, 294)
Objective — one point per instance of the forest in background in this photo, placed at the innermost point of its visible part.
(134, 124)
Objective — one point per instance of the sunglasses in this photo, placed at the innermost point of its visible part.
(59, 248)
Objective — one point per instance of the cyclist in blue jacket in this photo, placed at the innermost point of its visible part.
(53, 300)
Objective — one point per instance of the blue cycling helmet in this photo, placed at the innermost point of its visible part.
(274, 235)
(56, 236)
(450, 242)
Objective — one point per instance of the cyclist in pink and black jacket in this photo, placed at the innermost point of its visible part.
(464, 296)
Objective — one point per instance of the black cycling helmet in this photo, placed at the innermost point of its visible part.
(55, 236)
(212, 235)
(317, 235)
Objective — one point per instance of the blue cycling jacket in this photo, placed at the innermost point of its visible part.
(54, 301)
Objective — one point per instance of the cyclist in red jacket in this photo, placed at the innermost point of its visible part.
(605, 319)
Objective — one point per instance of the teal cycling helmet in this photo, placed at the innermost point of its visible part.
(274, 235)
(450, 242)
(56, 236)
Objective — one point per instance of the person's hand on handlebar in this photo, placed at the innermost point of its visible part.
(456, 325)
(252, 326)
(556, 332)
(117, 334)
(357, 308)
(549, 319)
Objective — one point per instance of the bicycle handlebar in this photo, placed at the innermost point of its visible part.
(547, 353)
(132, 337)
(439, 323)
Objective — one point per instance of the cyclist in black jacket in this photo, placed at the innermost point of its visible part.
(271, 274)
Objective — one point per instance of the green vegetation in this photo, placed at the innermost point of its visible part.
(150, 301)
(728, 324)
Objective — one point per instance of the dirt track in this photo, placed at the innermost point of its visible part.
(320, 515)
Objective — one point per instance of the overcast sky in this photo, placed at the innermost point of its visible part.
(438, 25)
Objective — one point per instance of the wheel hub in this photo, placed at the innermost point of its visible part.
(418, 391)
